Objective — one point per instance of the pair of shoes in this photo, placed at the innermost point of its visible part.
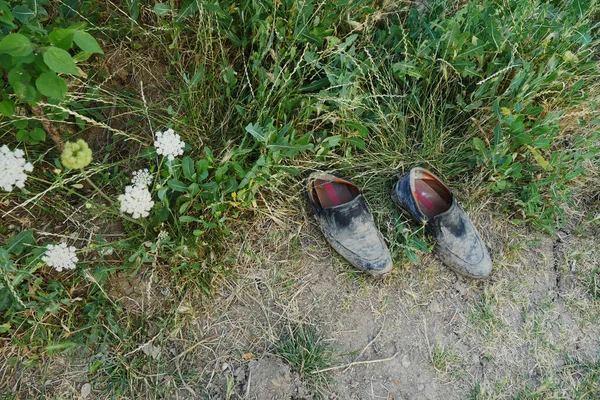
(348, 225)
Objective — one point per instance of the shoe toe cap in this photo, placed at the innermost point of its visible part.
(380, 266)
(374, 259)
(482, 269)
(476, 266)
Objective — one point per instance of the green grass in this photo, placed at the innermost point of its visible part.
(583, 378)
(499, 98)
(594, 283)
(447, 362)
(305, 350)
(483, 315)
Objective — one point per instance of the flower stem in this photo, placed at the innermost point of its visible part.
(96, 187)
(125, 217)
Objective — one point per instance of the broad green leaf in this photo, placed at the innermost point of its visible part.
(222, 170)
(542, 143)
(183, 208)
(134, 9)
(22, 135)
(18, 74)
(362, 131)
(188, 168)
(202, 168)
(522, 138)
(177, 185)
(331, 141)
(316, 85)
(411, 255)
(17, 244)
(23, 13)
(16, 45)
(188, 8)
(161, 9)
(517, 127)
(51, 85)
(5, 261)
(256, 131)
(62, 38)
(542, 162)
(68, 8)
(193, 189)
(534, 110)
(357, 142)
(497, 133)
(60, 346)
(577, 86)
(21, 123)
(479, 145)
(302, 147)
(24, 92)
(86, 42)
(6, 16)
(402, 69)
(214, 8)
(7, 108)
(5, 327)
(494, 33)
(474, 105)
(496, 109)
(81, 56)
(38, 135)
(162, 192)
(197, 78)
(163, 213)
(60, 61)
(187, 218)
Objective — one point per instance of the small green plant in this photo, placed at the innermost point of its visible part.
(482, 314)
(477, 392)
(447, 361)
(304, 349)
(35, 56)
(409, 241)
(594, 283)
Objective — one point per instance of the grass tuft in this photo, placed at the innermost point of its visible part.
(304, 348)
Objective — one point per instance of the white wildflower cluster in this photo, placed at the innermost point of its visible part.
(60, 256)
(136, 201)
(169, 144)
(12, 168)
(142, 177)
(162, 235)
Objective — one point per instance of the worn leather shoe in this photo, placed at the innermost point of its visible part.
(429, 201)
(347, 223)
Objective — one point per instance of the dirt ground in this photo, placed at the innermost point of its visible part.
(422, 332)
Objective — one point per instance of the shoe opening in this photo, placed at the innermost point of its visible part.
(433, 197)
(334, 192)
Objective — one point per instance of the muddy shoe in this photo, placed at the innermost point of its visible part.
(458, 244)
(347, 223)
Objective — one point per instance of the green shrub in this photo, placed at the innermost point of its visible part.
(38, 55)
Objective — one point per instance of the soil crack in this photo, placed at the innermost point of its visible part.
(556, 255)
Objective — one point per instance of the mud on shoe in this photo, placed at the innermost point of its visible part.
(429, 201)
(347, 223)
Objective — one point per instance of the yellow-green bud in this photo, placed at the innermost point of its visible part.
(570, 57)
(76, 155)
